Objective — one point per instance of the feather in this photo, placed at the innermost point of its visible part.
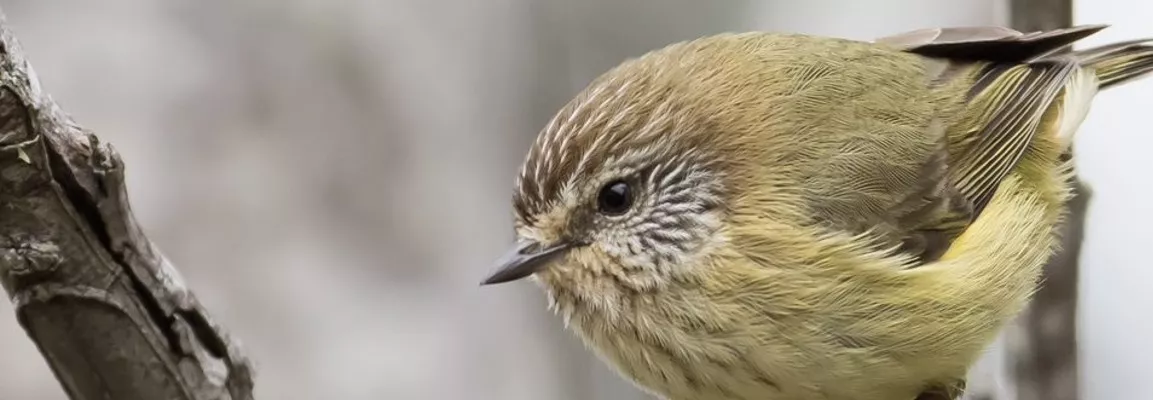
(1023, 81)
(1015, 97)
(994, 44)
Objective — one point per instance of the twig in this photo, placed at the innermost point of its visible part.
(108, 311)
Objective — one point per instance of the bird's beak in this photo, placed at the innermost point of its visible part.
(524, 259)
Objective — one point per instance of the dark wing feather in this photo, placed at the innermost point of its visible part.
(1015, 89)
(994, 44)
(1118, 63)
(1017, 96)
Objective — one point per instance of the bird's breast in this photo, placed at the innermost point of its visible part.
(676, 363)
(688, 342)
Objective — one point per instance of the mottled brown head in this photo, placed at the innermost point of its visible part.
(625, 181)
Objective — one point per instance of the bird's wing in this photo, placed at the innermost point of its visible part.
(1009, 103)
(1015, 99)
(995, 44)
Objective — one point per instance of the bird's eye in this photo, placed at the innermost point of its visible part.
(615, 198)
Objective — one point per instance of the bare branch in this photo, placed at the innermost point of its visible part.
(107, 310)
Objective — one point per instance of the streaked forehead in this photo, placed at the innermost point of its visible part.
(621, 115)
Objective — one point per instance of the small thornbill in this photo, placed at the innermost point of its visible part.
(761, 215)
(524, 259)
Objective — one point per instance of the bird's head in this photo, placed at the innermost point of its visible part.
(627, 186)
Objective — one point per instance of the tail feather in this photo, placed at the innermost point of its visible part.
(1103, 67)
(1118, 63)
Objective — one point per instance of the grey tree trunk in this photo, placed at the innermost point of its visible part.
(106, 309)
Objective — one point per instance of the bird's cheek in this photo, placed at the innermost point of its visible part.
(588, 260)
(574, 274)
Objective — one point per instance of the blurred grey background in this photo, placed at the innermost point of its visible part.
(333, 177)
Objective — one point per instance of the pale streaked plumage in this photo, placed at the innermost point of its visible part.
(808, 218)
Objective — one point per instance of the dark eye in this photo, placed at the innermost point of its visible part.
(615, 198)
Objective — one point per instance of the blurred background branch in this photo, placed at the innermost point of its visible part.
(106, 309)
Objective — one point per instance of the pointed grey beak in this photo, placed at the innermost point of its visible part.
(526, 258)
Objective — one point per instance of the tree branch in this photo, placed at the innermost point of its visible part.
(107, 310)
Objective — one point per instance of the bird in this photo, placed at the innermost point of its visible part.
(783, 216)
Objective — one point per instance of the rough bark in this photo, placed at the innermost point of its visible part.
(106, 309)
